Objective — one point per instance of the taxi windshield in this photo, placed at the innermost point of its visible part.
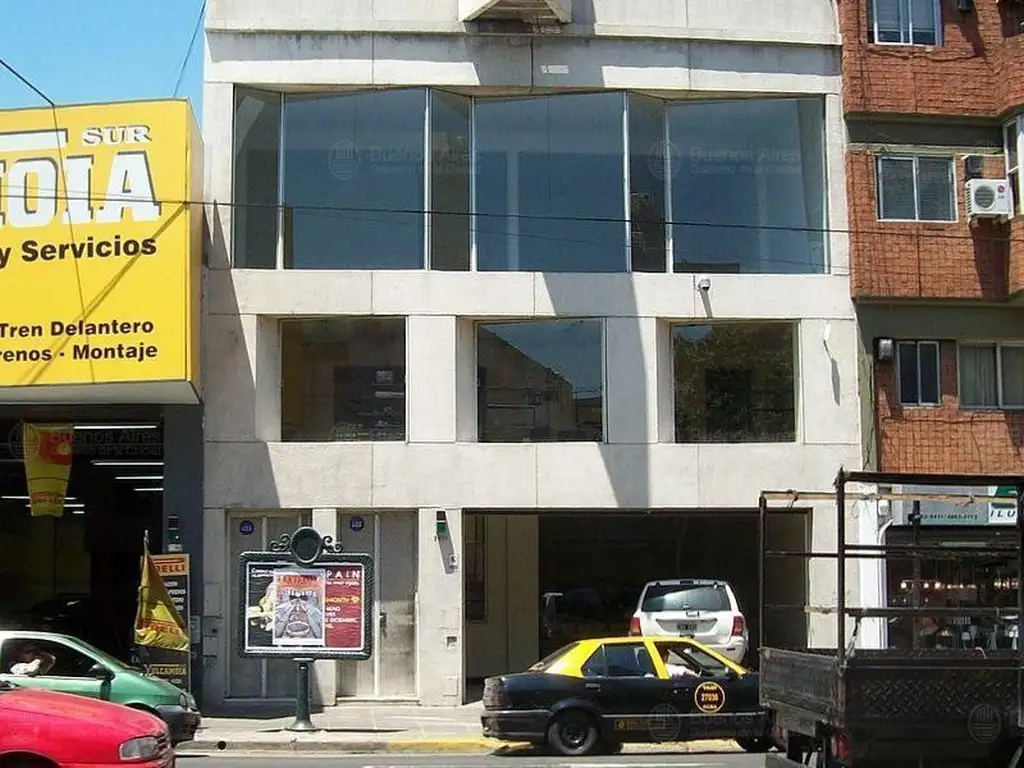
(551, 658)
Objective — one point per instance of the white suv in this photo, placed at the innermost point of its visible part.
(703, 609)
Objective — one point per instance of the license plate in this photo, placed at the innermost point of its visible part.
(686, 627)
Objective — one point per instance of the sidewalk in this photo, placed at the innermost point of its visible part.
(371, 728)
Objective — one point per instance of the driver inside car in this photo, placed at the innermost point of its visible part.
(673, 669)
(32, 661)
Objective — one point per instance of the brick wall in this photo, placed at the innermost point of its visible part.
(944, 438)
(959, 77)
(927, 260)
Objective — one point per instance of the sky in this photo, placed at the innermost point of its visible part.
(77, 51)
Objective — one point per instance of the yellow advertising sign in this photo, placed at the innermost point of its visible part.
(100, 245)
(48, 453)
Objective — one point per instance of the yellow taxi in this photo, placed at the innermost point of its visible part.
(592, 696)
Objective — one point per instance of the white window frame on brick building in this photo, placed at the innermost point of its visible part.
(893, 22)
(914, 161)
(919, 396)
(1013, 138)
(996, 396)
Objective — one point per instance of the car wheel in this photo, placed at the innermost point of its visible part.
(573, 733)
(755, 745)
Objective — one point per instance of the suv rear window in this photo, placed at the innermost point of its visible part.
(686, 597)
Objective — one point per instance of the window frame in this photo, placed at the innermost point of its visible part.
(1013, 175)
(903, 8)
(915, 160)
(999, 346)
(917, 343)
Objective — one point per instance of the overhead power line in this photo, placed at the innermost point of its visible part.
(189, 49)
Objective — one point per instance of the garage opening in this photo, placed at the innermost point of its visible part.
(536, 582)
(79, 573)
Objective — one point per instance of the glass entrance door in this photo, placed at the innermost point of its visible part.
(392, 539)
(257, 678)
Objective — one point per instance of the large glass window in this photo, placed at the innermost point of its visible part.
(549, 183)
(449, 181)
(257, 147)
(647, 173)
(748, 185)
(992, 375)
(734, 383)
(353, 180)
(540, 381)
(343, 379)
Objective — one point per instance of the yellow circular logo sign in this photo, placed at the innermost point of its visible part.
(709, 698)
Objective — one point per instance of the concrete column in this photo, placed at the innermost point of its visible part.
(325, 673)
(430, 378)
(465, 381)
(218, 123)
(439, 624)
(268, 379)
(631, 397)
(217, 642)
(183, 497)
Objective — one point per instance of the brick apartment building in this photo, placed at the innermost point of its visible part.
(933, 97)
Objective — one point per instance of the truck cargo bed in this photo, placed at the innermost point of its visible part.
(887, 689)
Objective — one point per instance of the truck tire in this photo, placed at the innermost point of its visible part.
(573, 733)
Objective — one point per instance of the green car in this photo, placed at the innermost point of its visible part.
(68, 665)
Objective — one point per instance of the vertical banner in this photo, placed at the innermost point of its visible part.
(173, 666)
(48, 451)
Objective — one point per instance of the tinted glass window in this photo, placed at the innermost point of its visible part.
(257, 150)
(353, 180)
(595, 666)
(540, 381)
(647, 174)
(748, 185)
(686, 598)
(549, 183)
(449, 181)
(631, 660)
(705, 660)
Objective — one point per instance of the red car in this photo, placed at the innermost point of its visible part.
(58, 729)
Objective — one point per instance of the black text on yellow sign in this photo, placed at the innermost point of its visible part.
(709, 698)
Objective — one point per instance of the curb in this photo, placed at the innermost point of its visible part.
(466, 746)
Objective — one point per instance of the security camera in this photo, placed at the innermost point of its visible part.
(704, 283)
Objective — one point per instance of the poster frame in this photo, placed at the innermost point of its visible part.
(247, 560)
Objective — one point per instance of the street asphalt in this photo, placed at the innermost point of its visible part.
(658, 760)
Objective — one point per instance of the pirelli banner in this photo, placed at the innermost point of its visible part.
(100, 250)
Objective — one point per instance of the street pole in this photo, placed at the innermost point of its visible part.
(303, 722)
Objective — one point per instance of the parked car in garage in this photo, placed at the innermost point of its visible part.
(73, 666)
(42, 728)
(592, 696)
(704, 609)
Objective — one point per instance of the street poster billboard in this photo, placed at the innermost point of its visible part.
(318, 611)
(173, 666)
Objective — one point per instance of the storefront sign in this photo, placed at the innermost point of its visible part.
(1003, 514)
(173, 666)
(100, 244)
(323, 610)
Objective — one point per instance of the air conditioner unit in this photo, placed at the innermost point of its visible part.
(989, 198)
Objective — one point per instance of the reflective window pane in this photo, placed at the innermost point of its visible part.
(540, 381)
(647, 165)
(549, 184)
(257, 143)
(748, 186)
(896, 195)
(449, 181)
(935, 193)
(1012, 364)
(353, 180)
(734, 383)
(343, 379)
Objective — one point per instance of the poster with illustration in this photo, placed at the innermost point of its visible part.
(298, 607)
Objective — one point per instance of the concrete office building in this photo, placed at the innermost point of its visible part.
(571, 275)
